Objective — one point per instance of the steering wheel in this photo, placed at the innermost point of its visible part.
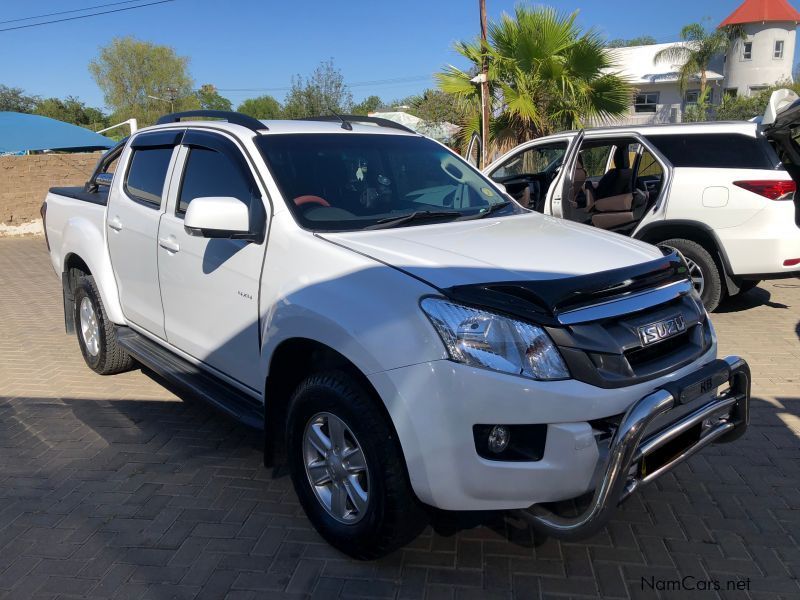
(301, 200)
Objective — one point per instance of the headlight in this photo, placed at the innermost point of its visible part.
(483, 339)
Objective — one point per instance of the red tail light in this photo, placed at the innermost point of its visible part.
(772, 189)
(791, 262)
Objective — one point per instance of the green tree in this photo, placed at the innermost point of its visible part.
(210, 98)
(693, 56)
(367, 105)
(72, 110)
(545, 74)
(642, 40)
(143, 80)
(744, 108)
(320, 94)
(15, 99)
(263, 107)
(436, 107)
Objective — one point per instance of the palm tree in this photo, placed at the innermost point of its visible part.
(545, 74)
(693, 56)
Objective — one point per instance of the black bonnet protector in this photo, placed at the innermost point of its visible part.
(542, 301)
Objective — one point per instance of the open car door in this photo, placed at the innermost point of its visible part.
(781, 126)
(474, 150)
(561, 187)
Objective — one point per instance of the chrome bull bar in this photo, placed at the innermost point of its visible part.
(726, 416)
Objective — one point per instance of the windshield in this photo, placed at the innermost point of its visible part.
(346, 182)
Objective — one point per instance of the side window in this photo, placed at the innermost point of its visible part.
(540, 159)
(211, 173)
(595, 160)
(147, 173)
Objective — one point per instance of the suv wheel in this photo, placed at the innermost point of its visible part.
(97, 336)
(348, 470)
(703, 271)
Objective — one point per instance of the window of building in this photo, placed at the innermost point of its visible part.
(731, 92)
(778, 52)
(692, 96)
(754, 89)
(646, 102)
(747, 50)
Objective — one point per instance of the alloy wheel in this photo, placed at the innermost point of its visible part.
(336, 468)
(90, 330)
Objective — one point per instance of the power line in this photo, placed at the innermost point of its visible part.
(106, 12)
(64, 12)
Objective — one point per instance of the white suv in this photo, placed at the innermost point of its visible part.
(717, 192)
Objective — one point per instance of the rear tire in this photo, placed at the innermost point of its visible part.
(705, 273)
(387, 515)
(97, 336)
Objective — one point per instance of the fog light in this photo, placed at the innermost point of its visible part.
(499, 437)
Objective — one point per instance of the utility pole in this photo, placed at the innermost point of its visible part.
(484, 89)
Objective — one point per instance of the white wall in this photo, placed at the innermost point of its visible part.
(762, 69)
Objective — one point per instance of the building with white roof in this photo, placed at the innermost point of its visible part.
(763, 57)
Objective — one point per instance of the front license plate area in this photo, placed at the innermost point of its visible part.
(669, 451)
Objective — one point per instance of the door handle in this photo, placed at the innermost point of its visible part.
(115, 224)
(169, 243)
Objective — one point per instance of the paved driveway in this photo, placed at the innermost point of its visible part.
(115, 487)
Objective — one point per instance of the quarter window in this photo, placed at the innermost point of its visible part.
(211, 173)
(147, 173)
(778, 51)
(747, 50)
(646, 102)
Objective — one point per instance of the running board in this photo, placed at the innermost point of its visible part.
(212, 390)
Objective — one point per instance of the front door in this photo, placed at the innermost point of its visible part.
(209, 287)
(134, 211)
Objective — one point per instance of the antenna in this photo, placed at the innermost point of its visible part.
(345, 124)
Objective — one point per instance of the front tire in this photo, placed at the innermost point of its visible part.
(704, 272)
(348, 469)
(97, 336)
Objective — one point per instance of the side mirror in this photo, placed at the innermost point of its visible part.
(218, 217)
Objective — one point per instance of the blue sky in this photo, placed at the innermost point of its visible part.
(260, 44)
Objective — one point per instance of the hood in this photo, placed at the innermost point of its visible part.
(529, 247)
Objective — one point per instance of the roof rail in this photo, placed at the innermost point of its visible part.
(360, 119)
(225, 115)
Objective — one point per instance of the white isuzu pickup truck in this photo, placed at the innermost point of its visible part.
(406, 334)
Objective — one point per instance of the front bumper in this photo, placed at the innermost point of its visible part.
(640, 453)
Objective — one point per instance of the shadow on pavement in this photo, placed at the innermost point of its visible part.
(747, 300)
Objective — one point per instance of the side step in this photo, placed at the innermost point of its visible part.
(216, 392)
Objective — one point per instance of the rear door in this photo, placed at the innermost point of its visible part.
(210, 286)
(135, 206)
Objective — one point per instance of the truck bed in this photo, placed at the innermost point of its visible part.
(79, 193)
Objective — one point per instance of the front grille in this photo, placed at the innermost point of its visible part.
(638, 357)
(608, 352)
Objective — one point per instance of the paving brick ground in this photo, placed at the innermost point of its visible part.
(115, 488)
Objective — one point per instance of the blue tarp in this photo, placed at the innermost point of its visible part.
(21, 132)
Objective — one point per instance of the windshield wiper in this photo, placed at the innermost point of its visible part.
(487, 211)
(414, 216)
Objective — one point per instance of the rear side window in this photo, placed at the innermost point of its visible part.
(147, 173)
(211, 173)
(716, 151)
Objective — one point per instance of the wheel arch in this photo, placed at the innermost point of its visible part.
(292, 360)
(695, 231)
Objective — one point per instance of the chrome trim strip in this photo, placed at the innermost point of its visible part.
(626, 305)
